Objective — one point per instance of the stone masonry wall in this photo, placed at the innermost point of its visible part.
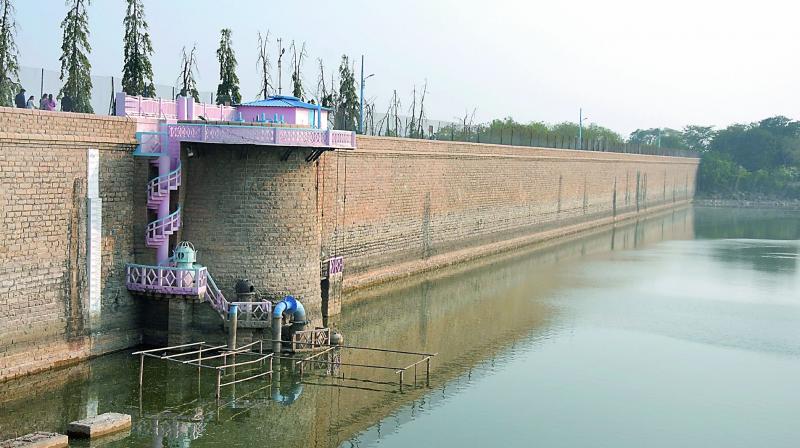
(252, 215)
(397, 206)
(391, 208)
(44, 321)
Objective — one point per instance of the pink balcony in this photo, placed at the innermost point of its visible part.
(166, 280)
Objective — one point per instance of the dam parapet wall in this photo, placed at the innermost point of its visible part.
(74, 214)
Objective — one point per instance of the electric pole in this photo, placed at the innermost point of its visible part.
(361, 108)
(281, 50)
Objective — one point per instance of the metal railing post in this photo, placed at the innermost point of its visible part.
(233, 321)
(141, 369)
(428, 372)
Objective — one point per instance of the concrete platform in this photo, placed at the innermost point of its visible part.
(37, 440)
(103, 424)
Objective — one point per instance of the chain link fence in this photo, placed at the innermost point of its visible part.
(504, 134)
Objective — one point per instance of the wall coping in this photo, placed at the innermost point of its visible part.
(53, 126)
(66, 138)
(35, 112)
(513, 149)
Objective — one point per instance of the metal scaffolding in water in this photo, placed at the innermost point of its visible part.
(256, 362)
(223, 360)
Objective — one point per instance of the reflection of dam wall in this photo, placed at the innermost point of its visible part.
(467, 313)
(404, 206)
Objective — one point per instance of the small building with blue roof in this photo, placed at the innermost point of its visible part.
(280, 109)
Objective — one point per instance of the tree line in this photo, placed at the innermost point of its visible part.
(755, 160)
(752, 161)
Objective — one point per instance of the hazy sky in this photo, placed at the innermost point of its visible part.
(629, 64)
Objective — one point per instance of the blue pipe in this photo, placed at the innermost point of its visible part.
(288, 398)
(288, 304)
(291, 305)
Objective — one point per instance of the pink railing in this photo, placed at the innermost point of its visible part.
(345, 139)
(192, 282)
(149, 143)
(166, 280)
(215, 297)
(261, 135)
(137, 106)
(159, 230)
(212, 112)
(251, 311)
(254, 310)
(159, 187)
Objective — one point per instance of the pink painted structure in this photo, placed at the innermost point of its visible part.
(285, 110)
(161, 128)
(180, 109)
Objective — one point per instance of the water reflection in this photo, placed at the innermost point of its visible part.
(731, 223)
(472, 315)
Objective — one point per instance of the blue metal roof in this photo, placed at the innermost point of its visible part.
(283, 101)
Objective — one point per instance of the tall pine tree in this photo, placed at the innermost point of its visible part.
(228, 89)
(186, 81)
(75, 66)
(347, 107)
(137, 72)
(9, 64)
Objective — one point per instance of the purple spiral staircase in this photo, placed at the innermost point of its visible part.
(166, 278)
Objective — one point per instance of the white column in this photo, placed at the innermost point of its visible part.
(94, 232)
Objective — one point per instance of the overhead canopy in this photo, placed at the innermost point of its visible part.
(283, 101)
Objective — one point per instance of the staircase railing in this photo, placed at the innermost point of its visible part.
(250, 311)
(215, 297)
(162, 228)
(160, 186)
(149, 143)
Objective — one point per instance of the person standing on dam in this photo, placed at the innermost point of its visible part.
(19, 100)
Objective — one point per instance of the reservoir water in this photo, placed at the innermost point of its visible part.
(679, 330)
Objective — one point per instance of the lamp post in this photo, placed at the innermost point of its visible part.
(281, 50)
(361, 108)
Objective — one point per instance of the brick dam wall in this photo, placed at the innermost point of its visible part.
(391, 208)
(252, 215)
(49, 313)
(395, 206)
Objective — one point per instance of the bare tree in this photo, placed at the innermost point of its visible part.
(327, 98)
(415, 123)
(467, 120)
(186, 81)
(421, 117)
(392, 117)
(297, 64)
(369, 117)
(411, 128)
(264, 66)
